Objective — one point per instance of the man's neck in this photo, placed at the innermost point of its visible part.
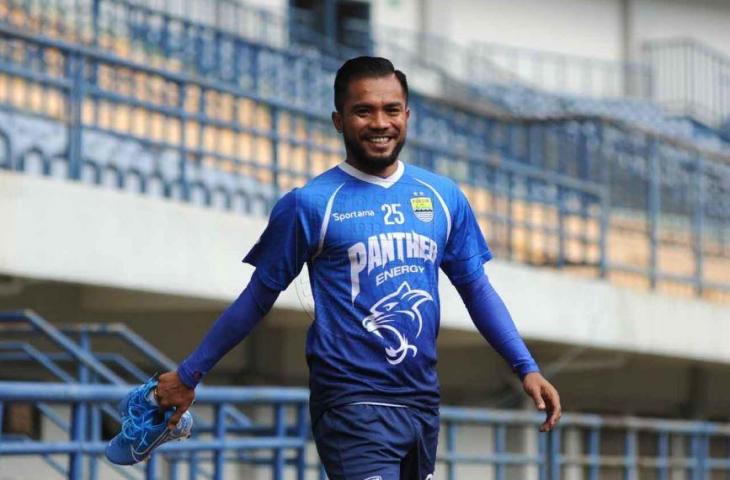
(382, 173)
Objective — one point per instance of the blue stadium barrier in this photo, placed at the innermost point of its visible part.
(285, 439)
(42, 328)
(29, 323)
(90, 370)
(506, 443)
(77, 347)
(90, 365)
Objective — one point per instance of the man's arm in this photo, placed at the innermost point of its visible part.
(492, 319)
(177, 389)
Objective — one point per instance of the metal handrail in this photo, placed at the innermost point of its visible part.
(82, 356)
(549, 453)
(48, 362)
(28, 322)
(690, 78)
(128, 336)
(280, 440)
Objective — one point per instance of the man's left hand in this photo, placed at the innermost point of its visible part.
(546, 398)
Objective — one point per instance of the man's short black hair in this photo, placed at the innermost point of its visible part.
(364, 67)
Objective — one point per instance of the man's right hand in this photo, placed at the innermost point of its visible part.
(171, 392)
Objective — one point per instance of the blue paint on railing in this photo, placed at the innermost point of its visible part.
(550, 453)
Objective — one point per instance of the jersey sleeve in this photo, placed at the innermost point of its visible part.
(286, 244)
(466, 250)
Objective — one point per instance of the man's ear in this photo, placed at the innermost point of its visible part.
(337, 121)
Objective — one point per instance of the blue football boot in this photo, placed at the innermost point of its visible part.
(144, 427)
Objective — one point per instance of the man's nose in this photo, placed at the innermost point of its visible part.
(379, 121)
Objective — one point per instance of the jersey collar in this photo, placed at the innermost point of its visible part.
(386, 182)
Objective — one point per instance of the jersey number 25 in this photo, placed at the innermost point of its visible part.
(393, 215)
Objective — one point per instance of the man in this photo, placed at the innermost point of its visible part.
(374, 233)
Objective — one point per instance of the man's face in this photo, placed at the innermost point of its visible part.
(373, 121)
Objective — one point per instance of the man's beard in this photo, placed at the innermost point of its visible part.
(368, 163)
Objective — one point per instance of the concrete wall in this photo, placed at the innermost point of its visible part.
(579, 27)
(705, 20)
(397, 13)
(606, 29)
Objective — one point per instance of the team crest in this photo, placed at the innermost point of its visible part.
(422, 208)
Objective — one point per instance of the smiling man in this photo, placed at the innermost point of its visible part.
(374, 233)
(372, 115)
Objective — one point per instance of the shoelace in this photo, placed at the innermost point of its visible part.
(140, 416)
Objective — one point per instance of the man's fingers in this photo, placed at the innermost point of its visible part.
(172, 393)
(546, 399)
(172, 423)
(549, 423)
(554, 412)
(537, 398)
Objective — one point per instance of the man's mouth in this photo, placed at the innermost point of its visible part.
(379, 140)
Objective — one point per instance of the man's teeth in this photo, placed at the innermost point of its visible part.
(379, 139)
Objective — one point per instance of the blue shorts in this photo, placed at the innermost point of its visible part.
(375, 442)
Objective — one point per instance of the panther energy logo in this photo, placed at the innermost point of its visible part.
(391, 311)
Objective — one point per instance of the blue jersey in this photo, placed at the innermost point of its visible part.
(373, 247)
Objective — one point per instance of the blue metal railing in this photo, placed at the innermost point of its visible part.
(432, 128)
(505, 444)
(589, 446)
(90, 369)
(42, 328)
(159, 26)
(482, 440)
(284, 439)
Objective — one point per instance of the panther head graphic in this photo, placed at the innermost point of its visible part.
(401, 304)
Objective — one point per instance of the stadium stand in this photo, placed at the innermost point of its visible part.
(503, 77)
(534, 167)
(135, 98)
